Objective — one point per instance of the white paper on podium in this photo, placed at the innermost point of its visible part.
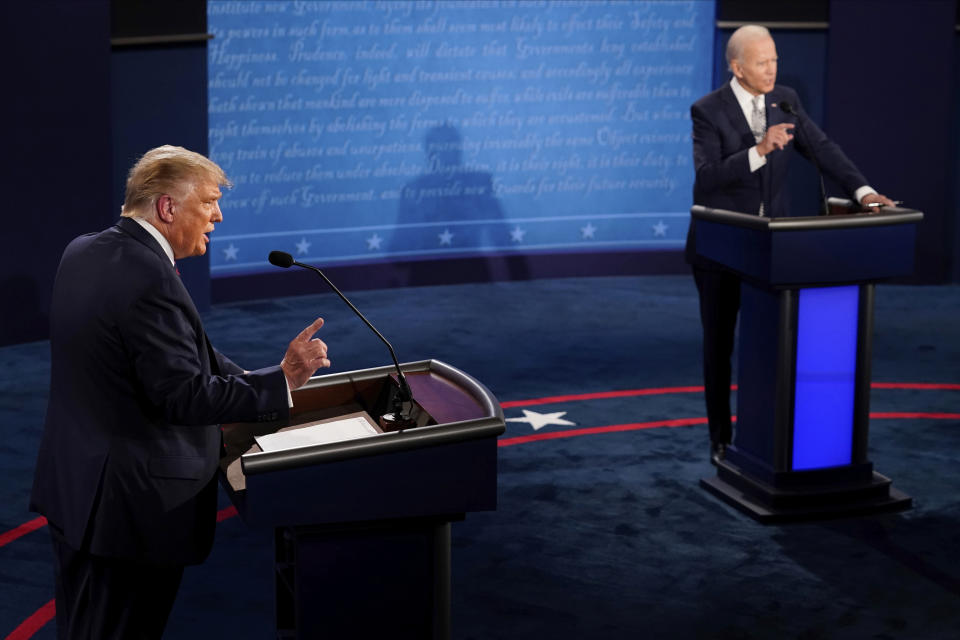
(323, 432)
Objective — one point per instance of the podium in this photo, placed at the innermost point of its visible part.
(362, 526)
(804, 342)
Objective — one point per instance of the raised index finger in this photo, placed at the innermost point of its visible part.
(307, 333)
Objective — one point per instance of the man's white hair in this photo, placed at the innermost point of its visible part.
(741, 37)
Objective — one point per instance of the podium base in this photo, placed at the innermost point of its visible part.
(380, 579)
(771, 505)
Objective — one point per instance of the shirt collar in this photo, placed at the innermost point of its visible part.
(164, 243)
(744, 97)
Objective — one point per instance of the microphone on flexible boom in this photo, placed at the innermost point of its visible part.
(404, 395)
(788, 108)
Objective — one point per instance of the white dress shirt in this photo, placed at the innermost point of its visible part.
(152, 230)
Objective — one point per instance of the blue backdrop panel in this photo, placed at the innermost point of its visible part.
(364, 131)
(827, 320)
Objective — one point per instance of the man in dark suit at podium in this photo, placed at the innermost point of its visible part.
(126, 472)
(743, 140)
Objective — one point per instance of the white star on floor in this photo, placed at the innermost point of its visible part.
(303, 246)
(373, 242)
(230, 253)
(587, 231)
(659, 229)
(446, 238)
(540, 420)
(516, 235)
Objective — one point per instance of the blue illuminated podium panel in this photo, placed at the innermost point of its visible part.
(803, 389)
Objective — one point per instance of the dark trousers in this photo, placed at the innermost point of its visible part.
(719, 304)
(100, 598)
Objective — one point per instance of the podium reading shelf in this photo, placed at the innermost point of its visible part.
(803, 380)
(362, 527)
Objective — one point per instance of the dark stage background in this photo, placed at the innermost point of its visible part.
(111, 79)
(602, 535)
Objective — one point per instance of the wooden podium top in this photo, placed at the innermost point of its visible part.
(454, 407)
(447, 465)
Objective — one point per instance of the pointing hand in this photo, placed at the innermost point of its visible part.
(305, 355)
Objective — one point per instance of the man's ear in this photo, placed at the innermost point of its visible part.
(165, 208)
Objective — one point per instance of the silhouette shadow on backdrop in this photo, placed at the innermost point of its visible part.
(451, 209)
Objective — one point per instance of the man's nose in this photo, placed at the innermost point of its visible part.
(217, 215)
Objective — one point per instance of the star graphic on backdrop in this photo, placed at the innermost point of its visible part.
(373, 242)
(230, 253)
(659, 229)
(516, 234)
(446, 238)
(540, 420)
(587, 231)
(303, 246)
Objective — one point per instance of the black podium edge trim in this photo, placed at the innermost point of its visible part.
(861, 397)
(454, 432)
(890, 216)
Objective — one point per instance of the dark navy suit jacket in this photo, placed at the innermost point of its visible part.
(721, 140)
(129, 456)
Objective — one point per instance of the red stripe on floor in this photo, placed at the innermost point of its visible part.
(916, 385)
(626, 393)
(22, 530)
(613, 428)
(906, 415)
(600, 395)
(684, 422)
(34, 623)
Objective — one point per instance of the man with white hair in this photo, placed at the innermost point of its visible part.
(743, 140)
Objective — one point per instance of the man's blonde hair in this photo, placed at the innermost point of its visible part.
(165, 170)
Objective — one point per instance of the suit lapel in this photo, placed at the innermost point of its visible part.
(737, 118)
(775, 114)
(735, 115)
(143, 236)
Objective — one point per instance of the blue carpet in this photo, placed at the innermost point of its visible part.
(599, 536)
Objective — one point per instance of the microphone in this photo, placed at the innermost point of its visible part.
(281, 259)
(398, 419)
(788, 108)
